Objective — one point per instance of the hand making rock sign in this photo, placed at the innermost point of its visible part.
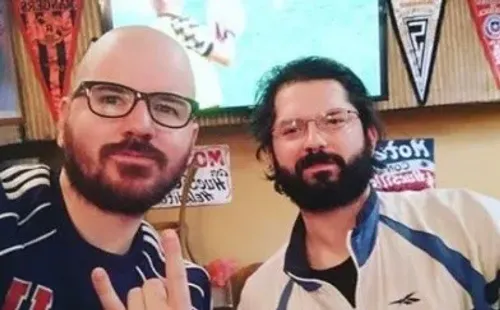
(171, 293)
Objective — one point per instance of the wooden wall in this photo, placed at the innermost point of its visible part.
(38, 121)
(252, 227)
(258, 220)
(461, 73)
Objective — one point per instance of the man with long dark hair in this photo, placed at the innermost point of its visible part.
(352, 247)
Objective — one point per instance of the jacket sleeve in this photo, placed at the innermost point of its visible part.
(8, 224)
(244, 303)
(249, 298)
(486, 225)
(199, 288)
(191, 34)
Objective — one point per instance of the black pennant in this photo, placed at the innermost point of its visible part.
(417, 27)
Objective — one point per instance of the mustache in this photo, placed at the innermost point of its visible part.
(144, 148)
(320, 157)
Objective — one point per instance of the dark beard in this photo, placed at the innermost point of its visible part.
(326, 194)
(108, 197)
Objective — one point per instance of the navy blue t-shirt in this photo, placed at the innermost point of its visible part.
(44, 262)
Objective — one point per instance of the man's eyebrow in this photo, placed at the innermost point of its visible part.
(113, 88)
(286, 121)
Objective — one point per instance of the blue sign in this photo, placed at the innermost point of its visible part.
(405, 164)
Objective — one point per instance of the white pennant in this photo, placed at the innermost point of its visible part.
(417, 25)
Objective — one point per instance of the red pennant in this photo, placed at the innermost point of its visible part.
(50, 30)
(486, 15)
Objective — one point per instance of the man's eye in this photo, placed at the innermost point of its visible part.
(113, 100)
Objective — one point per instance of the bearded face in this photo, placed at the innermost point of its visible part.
(120, 186)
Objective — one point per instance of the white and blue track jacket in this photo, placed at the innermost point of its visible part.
(428, 250)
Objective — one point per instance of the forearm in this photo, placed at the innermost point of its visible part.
(223, 53)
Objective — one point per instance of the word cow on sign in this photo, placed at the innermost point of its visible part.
(212, 182)
(406, 164)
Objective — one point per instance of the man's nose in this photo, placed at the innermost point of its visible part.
(314, 139)
(139, 122)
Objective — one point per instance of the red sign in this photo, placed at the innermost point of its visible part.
(486, 15)
(50, 30)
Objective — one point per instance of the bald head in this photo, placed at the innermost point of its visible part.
(139, 57)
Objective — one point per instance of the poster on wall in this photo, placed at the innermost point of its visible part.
(417, 26)
(212, 181)
(8, 83)
(405, 164)
(50, 30)
(486, 16)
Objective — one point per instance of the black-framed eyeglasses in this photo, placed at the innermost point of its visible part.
(113, 100)
(328, 122)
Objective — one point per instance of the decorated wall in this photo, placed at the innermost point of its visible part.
(252, 221)
(461, 73)
(37, 90)
(466, 142)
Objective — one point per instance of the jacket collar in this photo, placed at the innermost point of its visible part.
(361, 244)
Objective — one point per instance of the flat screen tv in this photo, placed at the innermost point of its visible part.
(251, 36)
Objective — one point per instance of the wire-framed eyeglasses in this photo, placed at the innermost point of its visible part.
(113, 100)
(328, 122)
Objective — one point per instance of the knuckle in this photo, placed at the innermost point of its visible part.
(153, 284)
(134, 291)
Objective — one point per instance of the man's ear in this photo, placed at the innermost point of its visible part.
(61, 121)
(373, 136)
(194, 135)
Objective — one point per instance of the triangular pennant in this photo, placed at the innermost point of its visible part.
(417, 26)
(50, 30)
(486, 15)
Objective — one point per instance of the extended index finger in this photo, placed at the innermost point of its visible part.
(177, 283)
(105, 291)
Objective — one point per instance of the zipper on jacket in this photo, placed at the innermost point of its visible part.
(355, 260)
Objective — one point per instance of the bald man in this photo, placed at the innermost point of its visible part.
(76, 239)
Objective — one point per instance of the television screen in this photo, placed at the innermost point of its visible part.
(250, 36)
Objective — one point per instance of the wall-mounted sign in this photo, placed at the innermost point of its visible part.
(212, 181)
(417, 26)
(50, 30)
(486, 15)
(406, 164)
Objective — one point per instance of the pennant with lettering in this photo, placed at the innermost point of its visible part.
(417, 26)
(50, 30)
(486, 15)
